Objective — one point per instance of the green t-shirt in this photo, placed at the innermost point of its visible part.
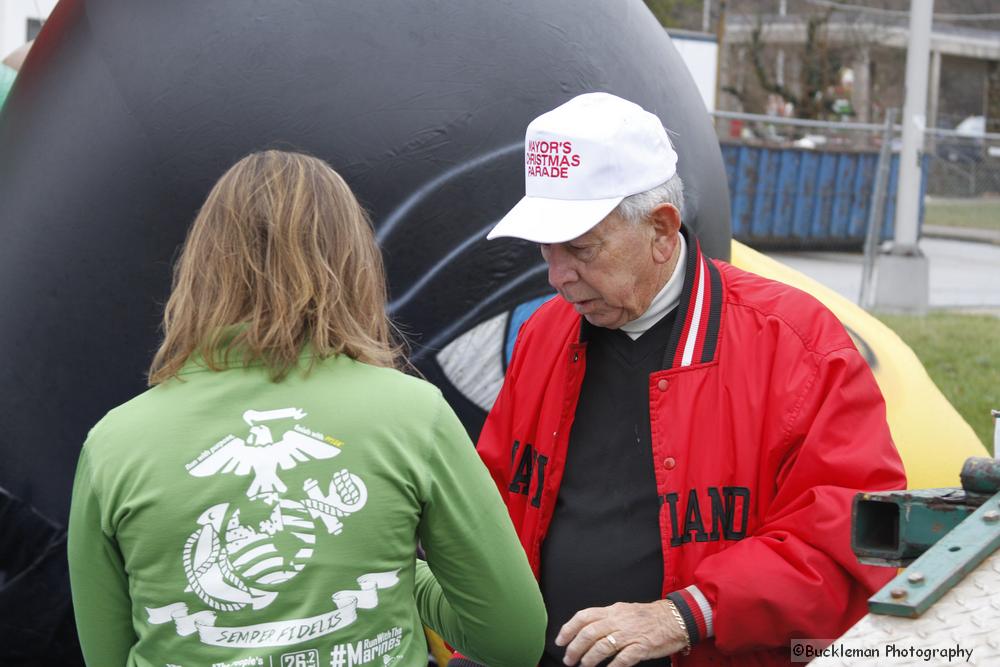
(225, 520)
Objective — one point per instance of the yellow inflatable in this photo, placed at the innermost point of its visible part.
(932, 437)
(437, 647)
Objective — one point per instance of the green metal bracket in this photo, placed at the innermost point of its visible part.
(942, 566)
(893, 528)
(940, 534)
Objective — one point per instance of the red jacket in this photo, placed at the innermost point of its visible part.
(765, 423)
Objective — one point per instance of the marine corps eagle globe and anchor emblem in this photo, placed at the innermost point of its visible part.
(232, 563)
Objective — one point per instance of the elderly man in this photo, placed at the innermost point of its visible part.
(678, 441)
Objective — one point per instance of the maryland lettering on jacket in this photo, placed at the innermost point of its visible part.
(730, 505)
(765, 422)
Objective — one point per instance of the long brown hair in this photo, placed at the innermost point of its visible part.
(280, 256)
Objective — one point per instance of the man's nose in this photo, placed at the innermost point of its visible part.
(561, 271)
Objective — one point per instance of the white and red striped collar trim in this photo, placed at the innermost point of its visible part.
(695, 334)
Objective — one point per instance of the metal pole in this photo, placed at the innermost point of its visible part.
(706, 15)
(996, 433)
(779, 73)
(720, 35)
(914, 123)
(876, 213)
(935, 90)
(827, 124)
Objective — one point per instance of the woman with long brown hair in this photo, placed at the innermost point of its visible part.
(261, 503)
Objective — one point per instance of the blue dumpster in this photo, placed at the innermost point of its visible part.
(803, 198)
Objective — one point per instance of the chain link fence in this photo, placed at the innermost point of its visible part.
(808, 184)
(965, 160)
(960, 186)
(782, 132)
(963, 179)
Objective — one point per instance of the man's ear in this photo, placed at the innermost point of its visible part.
(666, 222)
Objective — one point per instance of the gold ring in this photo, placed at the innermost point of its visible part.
(613, 642)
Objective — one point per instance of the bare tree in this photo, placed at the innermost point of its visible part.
(815, 92)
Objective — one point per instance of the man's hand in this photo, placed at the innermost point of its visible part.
(641, 631)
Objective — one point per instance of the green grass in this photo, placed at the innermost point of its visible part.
(962, 355)
(978, 213)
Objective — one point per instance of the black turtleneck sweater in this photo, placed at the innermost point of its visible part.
(603, 545)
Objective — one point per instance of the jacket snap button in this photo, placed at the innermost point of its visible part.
(662, 385)
(669, 463)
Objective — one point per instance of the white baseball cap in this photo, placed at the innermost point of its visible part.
(580, 160)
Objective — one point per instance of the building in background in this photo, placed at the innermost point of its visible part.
(849, 66)
(699, 51)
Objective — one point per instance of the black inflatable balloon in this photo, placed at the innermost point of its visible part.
(127, 112)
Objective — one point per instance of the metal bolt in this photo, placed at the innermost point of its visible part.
(991, 517)
(915, 578)
(897, 593)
